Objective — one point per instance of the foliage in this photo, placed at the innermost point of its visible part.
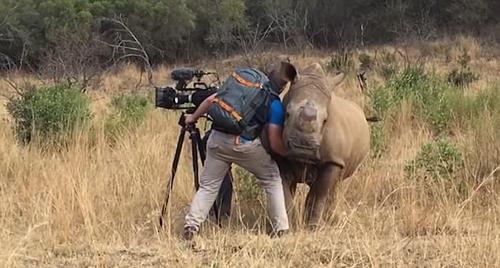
(247, 186)
(381, 100)
(435, 160)
(128, 112)
(463, 76)
(49, 113)
(173, 28)
(222, 28)
(377, 143)
(437, 168)
(340, 61)
(429, 94)
(366, 62)
(468, 109)
(433, 100)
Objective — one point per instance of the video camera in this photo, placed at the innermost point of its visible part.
(181, 96)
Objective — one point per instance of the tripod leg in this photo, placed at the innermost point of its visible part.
(175, 163)
(202, 145)
(194, 150)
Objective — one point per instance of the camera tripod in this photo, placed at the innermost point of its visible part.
(222, 205)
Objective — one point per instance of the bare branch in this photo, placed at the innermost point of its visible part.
(6, 62)
(13, 85)
(132, 48)
(251, 39)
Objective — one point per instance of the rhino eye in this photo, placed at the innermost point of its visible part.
(287, 115)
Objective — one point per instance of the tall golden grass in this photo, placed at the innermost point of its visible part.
(96, 204)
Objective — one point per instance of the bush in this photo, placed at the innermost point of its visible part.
(435, 160)
(366, 62)
(430, 95)
(340, 61)
(462, 76)
(437, 167)
(411, 82)
(438, 112)
(128, 112)
(381, 100)
(387, 66)
(49, 113)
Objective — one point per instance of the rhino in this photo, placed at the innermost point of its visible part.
(326, 137)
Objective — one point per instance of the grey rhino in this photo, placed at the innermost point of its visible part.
(327, 138)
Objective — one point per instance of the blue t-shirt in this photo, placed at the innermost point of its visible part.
(275, 116)
(276, 113)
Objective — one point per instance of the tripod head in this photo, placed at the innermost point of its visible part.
(183, 124)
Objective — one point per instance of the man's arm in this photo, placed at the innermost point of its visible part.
(201, 110)
(276, 143)
(275, 122)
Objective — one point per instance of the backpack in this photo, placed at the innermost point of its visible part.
(242, 103)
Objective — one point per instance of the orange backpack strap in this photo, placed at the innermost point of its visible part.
(228, 108)
(245, 82)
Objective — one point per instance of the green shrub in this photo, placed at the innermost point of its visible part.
(411, 82)
(49, 113)
(128, 112)
(438, 170)
(429, 94)
(435, 160)
(381, 100)
(438, 112)
(377, 143)
(462, 76)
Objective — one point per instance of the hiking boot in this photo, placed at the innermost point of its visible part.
(189, 233)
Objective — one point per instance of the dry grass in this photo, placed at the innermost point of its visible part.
(97, 205)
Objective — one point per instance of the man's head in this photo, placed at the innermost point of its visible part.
(279, 77)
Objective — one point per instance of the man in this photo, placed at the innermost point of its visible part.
(223, 149)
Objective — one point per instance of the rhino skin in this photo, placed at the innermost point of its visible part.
(327, 138)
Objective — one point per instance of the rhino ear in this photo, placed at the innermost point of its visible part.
(288, 72)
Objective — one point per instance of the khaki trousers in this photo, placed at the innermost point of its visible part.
(222, 151)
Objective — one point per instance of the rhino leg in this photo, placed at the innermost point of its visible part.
(318, 194)
(288, 194)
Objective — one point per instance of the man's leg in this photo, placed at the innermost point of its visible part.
(210, 181)
(257, 160)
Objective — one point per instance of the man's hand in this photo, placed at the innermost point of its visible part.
(189, 119)
(201, 110)
(275, 133)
